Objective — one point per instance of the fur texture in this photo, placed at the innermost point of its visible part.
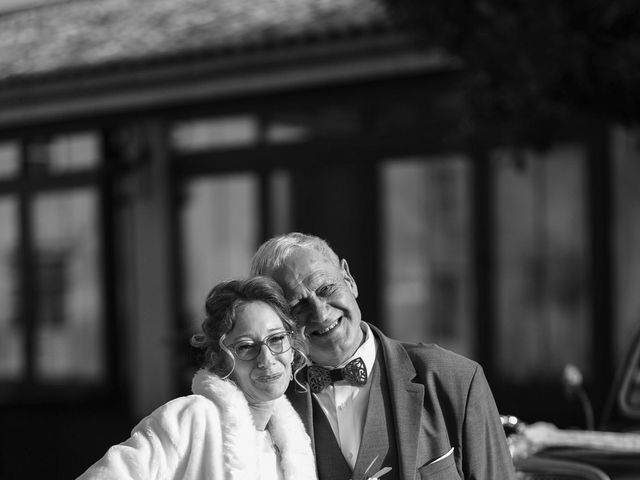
(285, 427)
(206, 436)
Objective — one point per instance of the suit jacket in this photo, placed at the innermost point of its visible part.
(440, 400)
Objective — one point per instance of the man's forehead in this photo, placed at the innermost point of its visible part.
(303, 262)
(297, 285)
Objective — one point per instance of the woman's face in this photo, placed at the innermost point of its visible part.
(267, 376)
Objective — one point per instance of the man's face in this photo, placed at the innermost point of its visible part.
(322, 297)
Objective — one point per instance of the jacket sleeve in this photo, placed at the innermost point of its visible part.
(147, 454)
(485, 455)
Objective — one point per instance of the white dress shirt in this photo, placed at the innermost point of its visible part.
(346, 405)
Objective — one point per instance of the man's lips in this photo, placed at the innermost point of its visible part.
(328, 328)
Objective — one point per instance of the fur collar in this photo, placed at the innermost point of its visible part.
(238, 431)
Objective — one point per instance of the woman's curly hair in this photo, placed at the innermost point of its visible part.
(221, 307)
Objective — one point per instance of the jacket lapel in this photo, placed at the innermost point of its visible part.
(407, 398)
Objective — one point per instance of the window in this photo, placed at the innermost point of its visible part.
(69, 339)
(9, 160)
(626, 175)
(215, 133)
(219, 225)
(52, 327)
(62, 153)
(329, 122)
(427, 254)
(12, 362)
(542, 260)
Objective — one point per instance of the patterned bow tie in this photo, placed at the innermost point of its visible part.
(319, 378)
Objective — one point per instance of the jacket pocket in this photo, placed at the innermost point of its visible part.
(443, 468)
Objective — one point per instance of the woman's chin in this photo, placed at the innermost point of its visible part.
(271, 391)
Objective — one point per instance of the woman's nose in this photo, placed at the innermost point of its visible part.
(265, 357)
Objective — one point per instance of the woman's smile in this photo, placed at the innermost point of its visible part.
(269, 378)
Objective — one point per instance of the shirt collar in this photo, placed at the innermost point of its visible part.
(366, 351)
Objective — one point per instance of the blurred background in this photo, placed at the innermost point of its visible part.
(477, 164)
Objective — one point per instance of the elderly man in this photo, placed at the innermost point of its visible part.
(374, 403)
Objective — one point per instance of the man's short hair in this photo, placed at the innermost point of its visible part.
(274, 252)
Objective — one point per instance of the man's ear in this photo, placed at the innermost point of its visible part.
(349, 280)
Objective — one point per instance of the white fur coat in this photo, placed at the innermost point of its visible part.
(209, 435)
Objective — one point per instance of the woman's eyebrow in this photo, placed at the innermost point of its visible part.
(247, 336)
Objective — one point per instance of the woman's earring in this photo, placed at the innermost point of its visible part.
(291, 375)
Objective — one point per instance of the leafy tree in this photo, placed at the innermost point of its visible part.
(525, 61)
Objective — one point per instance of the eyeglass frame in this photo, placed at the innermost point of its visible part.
(233, 347)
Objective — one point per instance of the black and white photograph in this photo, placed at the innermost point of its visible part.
(320, 239)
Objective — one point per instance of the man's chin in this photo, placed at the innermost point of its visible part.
(328, 340)
(323, 355)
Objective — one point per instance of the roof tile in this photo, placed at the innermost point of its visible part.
(84, 33)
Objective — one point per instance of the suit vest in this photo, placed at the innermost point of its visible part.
(378, 436)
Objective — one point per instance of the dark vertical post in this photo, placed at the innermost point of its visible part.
(108, 201)
(601, 279)
(484, 261)
(265, 222)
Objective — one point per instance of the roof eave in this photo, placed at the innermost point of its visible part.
(207, 76)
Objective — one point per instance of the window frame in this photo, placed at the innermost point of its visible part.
(27, 389)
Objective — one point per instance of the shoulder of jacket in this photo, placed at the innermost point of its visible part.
(175, 422)
(438, 355)
(434, 360)
(174, 414)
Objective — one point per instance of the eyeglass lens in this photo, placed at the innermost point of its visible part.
(276, 343)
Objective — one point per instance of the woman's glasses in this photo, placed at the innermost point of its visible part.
(278, 342)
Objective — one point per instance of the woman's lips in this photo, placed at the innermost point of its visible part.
(268, 378)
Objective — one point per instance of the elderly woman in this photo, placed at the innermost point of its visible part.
(237, 424)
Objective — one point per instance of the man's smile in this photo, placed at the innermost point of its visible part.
(328, 328)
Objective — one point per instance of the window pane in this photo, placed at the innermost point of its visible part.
(299, 126)
(212, 133)
(279, 202)
(11, 332)
(626, 177)
(220, 224)
(427, 264)
(63, 153)
(9, 159)
(70, 334)
(543, 312)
